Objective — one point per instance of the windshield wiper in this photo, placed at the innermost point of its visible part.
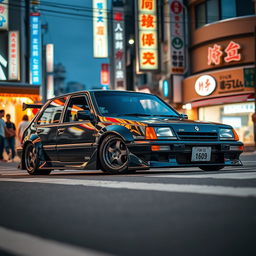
(133, 114)
(167, 115)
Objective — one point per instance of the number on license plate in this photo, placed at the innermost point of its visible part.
(201, 154)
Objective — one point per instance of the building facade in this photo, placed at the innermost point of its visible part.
(15, 87)
(220, 84)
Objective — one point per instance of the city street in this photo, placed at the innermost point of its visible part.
(158, 212)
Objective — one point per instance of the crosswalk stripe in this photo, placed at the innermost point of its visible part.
(179, 188)
(231, 176)
(21, 243)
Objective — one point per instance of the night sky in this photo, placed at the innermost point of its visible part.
(72, 39)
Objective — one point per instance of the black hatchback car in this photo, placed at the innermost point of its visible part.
(118, 131)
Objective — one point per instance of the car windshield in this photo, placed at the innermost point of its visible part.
(132, 104)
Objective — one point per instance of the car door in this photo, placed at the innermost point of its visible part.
(46, 127)
(75, 137)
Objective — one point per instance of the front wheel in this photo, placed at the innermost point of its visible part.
(32, 162)
(211, 168)
(113, 155)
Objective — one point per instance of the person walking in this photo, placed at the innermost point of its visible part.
(22, 126)
(10, 138)
(3, 131)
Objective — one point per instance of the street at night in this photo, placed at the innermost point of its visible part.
(157, 212)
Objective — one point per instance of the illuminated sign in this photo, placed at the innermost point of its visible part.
(177, 37)
(49, 58)
(119, 48)
(3, 55)
(4, 15)
(205, 85)
(50, 69)
(14, 56)
(35, 49)
(239, 108)
(100, 29)
(147, 35)
(104, 74)
(216, 54)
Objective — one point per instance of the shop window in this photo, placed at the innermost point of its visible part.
(245, 7)
(200, 15)
(228, 9)
(212, 11)
(239, 115)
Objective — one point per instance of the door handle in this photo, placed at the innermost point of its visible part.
(61, 130)
(38, 131)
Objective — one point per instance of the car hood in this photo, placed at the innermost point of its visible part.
(160, 121)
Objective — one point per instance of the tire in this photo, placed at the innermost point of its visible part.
(31, 161)
(211, 168)
(113, 155)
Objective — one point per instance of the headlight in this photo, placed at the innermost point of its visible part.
(228, 134)
(159, 133)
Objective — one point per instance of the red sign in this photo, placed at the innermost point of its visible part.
(104, 74)
(215, 53)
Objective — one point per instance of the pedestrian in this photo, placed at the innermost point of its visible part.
(10, 138)
(22, 126)
(3, 131)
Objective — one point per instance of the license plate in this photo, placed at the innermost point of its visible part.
(201, 154)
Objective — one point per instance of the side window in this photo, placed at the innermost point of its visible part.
(52, 113)
(75, 104)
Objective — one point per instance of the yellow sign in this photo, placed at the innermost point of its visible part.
(147, 35)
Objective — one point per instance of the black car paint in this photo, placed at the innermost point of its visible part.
(75, 145)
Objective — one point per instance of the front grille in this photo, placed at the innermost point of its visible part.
(198, 136)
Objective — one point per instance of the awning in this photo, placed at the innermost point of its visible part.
(223, 100)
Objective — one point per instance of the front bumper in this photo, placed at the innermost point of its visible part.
(178, 153)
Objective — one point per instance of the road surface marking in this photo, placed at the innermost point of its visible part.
(29, 245)
(231, 176)
(180, 188)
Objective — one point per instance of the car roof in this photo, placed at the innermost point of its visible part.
(97, 90)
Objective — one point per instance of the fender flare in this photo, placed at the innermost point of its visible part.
(36, 141)
(119, 130)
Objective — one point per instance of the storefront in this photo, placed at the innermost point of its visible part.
(224, 96)
(12, 98)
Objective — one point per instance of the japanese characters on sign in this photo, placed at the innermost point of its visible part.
(119, 48)
(4, 15)
(177, 37)
(228, 83)
(147, 35)
(100, 30)
(14, 56)
(205, 85)
(216, 55)
(35, 49)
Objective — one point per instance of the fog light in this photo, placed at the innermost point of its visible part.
(160, 148)
(236, 148)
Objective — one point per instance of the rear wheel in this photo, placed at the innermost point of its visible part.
(113, 155)
(31, 161)
(211, 168)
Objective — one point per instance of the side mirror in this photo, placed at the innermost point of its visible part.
(183, 116)
(84, 115)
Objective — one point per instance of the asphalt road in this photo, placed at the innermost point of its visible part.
(161, 212)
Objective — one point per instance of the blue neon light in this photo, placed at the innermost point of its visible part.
(35, 50)
(165, 88)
